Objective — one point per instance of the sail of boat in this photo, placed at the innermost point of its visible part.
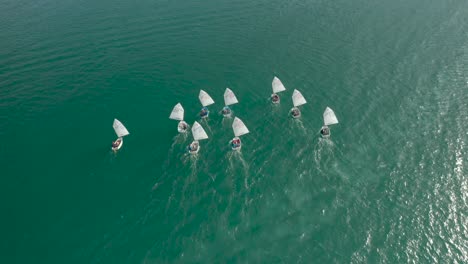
(239, 127)
(205, 98)
(298, 99)
(198, 132)
(329, 117)
(177, 112)
(277, 85)
(119, 128)
(229, 97)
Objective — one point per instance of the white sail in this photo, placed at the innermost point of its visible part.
(297, 98)
(239, 127)
(177, 112)
(205, 98)
(119, 128)
(329, 117)
(198, 132)
(229, 97)
(277, 85)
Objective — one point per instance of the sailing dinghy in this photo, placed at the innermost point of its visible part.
(329, 118)
(277, 87)
(121, 132)
(205, 100)
(298, 100)
(229, 99)
(198, 134)
(178, 114)
(239, 129)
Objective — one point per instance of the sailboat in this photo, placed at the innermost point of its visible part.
(178, 114)
(198, 134)
(329, 118)
(205, 100)
(229, 99)
(121, 132)
(277, 87)
(298, 100)
(239, 129)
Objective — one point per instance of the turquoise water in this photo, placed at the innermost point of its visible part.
(390, 186)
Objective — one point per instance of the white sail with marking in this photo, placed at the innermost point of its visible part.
(277, 85)
(329, 117)
(119, 128)
(229, 97)
(198, 132)
(177, 112)
(205, 98)
(298, 99)
(239, 127)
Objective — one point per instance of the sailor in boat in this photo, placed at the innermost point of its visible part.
(275, 98)
(325, 131)
(295, 112)
(204, 112)
(116, 143)
(236, 143)
(226, 110)
(183, 126)
(193, 146)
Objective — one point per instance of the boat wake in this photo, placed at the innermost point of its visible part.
(226, 122)
(193, 160)
(324, 148)
(205, 123)
(175, 146)
(237, 164)
(176, 141)
(299, 125)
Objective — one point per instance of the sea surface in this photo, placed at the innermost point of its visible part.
(389, 186)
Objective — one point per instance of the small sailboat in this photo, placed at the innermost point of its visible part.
(205, 100)
(277, 87)
(329, 118)
(121, 132)
(229, 99)
(198, 134)
(178, 114)
(298, 100)
(239, 129)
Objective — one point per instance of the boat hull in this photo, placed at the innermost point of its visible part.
(204, 113)
(235, 146)
(192, 149)
(119, 146)
(325, 132)
(226, 111)
(295, 112)
(275, 99)
(181, 128)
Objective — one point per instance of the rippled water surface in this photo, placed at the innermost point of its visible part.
(389, 186)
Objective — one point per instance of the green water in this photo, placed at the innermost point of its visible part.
(391, 186)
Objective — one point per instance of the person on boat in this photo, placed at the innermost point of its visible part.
(183, 126)
(193, 146)
(325, 131)
(204, 112)
(236, 143)
(295, 112)
(226, 110)
(275, 98)
(116, 143)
